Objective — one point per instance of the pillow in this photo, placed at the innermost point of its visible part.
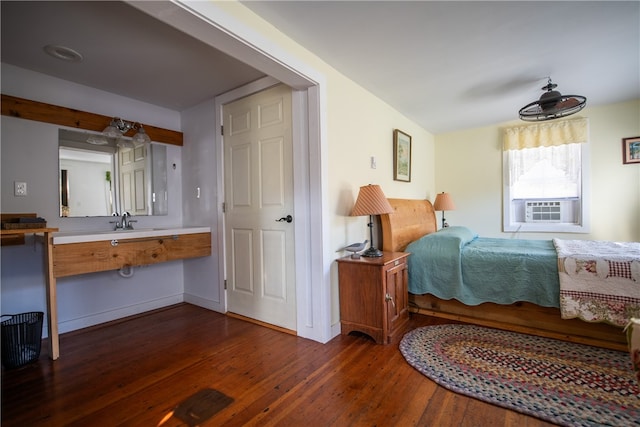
(462, 234)
(453, 237)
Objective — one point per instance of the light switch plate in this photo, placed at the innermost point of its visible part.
(20, 188)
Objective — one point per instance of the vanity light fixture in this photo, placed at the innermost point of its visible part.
(118, 127)
(141, 136)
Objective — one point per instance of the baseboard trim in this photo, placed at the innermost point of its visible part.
(203, 302)
(266, 325)
(110, 315)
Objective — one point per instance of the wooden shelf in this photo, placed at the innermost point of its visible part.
(52, 302)
(15, 237)
(23, 231)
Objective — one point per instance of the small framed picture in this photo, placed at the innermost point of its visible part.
(401, 156)
(631, 150)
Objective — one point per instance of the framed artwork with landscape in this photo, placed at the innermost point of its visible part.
(401, 156)
(631, 150)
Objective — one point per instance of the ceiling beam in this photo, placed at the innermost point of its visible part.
(63, 116)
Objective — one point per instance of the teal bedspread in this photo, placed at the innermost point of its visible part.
(456, 263)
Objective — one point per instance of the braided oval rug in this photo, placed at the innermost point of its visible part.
(563, 383)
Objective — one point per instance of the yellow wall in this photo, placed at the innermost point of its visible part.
(469, 166)
(359, 126)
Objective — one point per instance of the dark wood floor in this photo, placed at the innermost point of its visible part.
(136, 372)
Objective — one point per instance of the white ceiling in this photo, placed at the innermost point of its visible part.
(445, 65)
(125, 52)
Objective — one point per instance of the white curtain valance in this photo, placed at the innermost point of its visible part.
(546, 134)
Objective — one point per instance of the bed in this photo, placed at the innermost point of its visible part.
(533, 308)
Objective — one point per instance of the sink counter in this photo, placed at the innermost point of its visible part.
(96, 236)
(82, 252)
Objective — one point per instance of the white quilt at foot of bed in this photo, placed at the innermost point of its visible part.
(599, 280)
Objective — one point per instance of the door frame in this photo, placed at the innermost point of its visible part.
(214, 24)
(298, 186)
(303, 231)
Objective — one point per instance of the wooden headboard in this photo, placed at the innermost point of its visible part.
(410, 220)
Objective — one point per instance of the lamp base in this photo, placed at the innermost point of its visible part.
(372, 253)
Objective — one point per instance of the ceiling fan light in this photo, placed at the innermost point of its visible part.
(550, 99)
(552, 105)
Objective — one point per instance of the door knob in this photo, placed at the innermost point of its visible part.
(287, 218)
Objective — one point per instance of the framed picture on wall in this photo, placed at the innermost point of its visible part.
(631, 150)
(401, 156)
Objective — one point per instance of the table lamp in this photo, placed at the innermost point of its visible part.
(371, 201)
(444, 202)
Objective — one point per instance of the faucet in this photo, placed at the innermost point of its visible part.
(124, 223)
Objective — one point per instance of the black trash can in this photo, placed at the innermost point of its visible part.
(21, 338)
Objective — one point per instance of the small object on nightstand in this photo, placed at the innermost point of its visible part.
(355, 248)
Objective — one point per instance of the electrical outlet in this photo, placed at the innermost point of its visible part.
(374, 162)
(20, 188)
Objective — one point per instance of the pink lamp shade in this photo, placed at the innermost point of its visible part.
(444, 202)
(371, 201)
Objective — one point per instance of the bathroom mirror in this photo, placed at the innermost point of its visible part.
(101, 176)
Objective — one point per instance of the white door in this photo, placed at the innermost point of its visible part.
(258, 194)
(133, 180)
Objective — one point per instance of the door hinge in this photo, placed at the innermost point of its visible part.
(222, 130)
(225, 284)
(224, 207)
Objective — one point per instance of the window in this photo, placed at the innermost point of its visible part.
(546, 175)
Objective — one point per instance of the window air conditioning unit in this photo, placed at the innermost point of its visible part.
(543, 211)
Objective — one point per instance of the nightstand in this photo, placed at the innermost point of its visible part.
(373, 295)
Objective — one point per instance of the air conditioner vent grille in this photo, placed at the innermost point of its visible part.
(543, 211)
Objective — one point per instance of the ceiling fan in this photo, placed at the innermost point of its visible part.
(552, 105)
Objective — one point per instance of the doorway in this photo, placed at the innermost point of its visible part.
(211, 23)
(258, 182)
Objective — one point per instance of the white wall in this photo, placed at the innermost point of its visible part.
(199, 156)
(29, 153)
(469, 166)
